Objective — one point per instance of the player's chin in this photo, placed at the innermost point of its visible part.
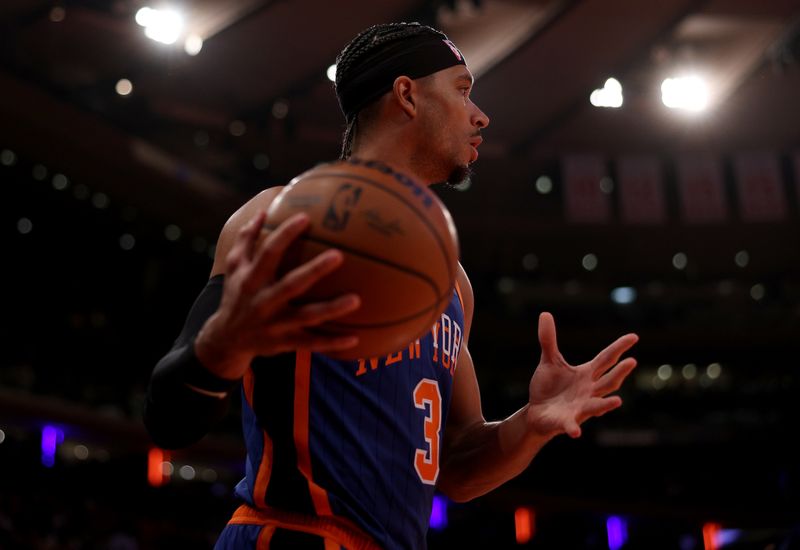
(459, 174)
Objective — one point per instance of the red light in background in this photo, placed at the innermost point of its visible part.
(525, 524)
(155, 467)
(710, 532)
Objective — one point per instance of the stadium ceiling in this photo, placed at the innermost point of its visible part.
(257, 93)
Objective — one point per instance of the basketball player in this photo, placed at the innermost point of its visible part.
(348, 453)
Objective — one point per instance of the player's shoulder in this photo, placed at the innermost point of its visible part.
(249, 209)
(237, 221)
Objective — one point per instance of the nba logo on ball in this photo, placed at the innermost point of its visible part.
(338, 211)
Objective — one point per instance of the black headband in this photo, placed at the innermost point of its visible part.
(374, 75)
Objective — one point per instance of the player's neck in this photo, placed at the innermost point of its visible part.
(395, 152)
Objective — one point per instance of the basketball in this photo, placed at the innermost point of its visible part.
(399, 244)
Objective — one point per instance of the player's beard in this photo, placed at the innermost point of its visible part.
(460, 176)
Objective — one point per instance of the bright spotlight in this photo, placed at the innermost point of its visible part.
(609, 95)
(144, 16)
(689, 93)
(332, 73)
(161, 25)
(193, 44)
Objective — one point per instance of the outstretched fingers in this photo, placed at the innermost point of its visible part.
(612, 381)
(598, 406)
(610, 356)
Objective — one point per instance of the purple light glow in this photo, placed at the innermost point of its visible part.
(728, 536)
(439, 513)
(51, 437)
(617, 532)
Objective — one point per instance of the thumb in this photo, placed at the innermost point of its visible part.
(572, 429)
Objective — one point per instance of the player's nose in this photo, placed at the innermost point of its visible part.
(479, 118)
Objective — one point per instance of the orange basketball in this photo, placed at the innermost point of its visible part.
(399, 243)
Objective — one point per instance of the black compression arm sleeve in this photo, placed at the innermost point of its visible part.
(184, 399)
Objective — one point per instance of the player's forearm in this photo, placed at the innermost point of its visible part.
(184, 400)
(488, 455)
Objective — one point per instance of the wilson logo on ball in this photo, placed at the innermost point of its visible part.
(338, 212)
(383, 226)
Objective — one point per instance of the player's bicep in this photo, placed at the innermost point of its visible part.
(465, 407)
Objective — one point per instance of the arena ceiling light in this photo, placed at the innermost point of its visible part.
(163, 26)
(610, 95)
(193, 44)
(689, 93)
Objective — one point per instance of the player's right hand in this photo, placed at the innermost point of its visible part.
(256, 315)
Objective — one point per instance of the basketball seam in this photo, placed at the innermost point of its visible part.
(370, 257)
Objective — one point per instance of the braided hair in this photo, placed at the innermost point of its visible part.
(365, 43)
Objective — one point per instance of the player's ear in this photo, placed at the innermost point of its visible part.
(405, 92)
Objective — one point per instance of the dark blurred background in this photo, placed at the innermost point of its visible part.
(122, 156)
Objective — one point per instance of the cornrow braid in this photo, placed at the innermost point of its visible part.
(365, 43)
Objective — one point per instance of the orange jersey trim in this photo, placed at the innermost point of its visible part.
(336, 530)
(265, 467)
(460, 299)
(302, 388)
(264, 537)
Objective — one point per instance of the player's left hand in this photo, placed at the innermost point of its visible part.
(563, 396)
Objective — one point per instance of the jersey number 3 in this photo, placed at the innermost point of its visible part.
(426, 462)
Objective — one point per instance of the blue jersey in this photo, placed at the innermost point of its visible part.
(351, 445)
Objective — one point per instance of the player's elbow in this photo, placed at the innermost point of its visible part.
(455, 490)
(165, 442)
(164, 432)
(170, 440)
(162, 438)
(458, 496)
